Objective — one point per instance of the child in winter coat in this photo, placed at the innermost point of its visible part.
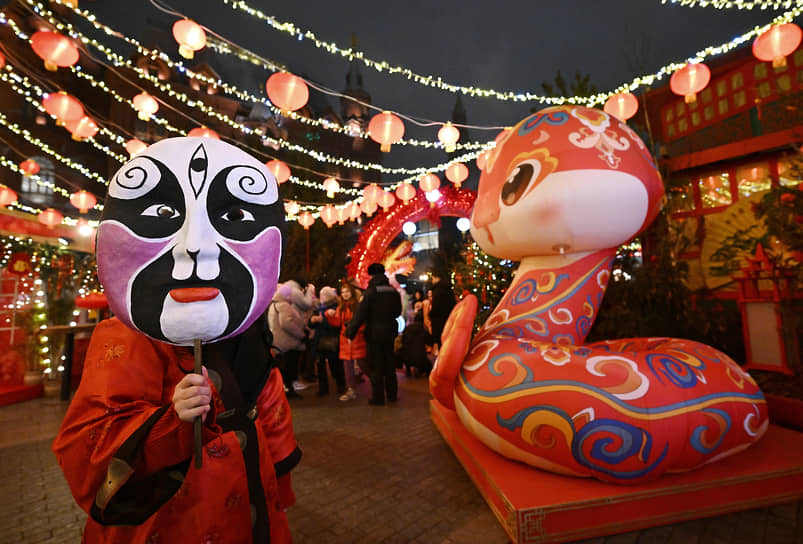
(352, 352)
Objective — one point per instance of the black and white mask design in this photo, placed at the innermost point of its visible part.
(190, 241)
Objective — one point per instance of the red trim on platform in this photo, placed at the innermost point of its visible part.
(10, 394)
(785, 411)
(534, 506)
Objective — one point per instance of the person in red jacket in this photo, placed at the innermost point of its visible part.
(352, 351)
(188, 249)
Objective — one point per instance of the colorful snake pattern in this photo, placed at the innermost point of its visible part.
(526, 385)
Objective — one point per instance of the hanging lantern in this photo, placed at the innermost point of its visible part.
(623, 106)
(386, 199)
(146, 105)
(306, 220)
(287, 91)
(83, 200)
(343, 214)
(7, 196)
(355, 212)
(776, 43)
(331, 186)
(457, 172)
(368, 207)
(135, 147)
(690, 80)
(448, 136)
(329, 215)
(29, 167)
(371, 193)
(203, 132)
(50, 218)
(481, 158)
(291, 207)
(63, 107)
(279, 170)
(82, 129)
(190, 37)
(405, 192)
(386, 129)
(429, 182)
(53, 48)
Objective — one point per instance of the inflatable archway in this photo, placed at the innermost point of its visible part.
(387, 224)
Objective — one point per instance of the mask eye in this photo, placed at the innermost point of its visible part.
(162, 211)
(518, 181)
(237, 214)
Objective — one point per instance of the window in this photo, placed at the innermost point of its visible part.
(789, 177)
(737, 80)
(680, 108)
(715, 190)
(753, 178)
(680, 198)
(669, 115)
(708, 113)
(695, 118)
(760, 70)
(683, 125)
(764, 89)
(722, 87)
(706, 95)
(784, 83)
(739, 99)
(797, 58)
(40, 192)
(722, 106)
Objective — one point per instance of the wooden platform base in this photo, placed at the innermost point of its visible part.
(534, 506)
(9, 394)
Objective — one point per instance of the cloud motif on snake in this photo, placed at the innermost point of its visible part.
(624, 411)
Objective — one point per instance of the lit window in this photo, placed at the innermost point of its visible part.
(722, 106)
(764, 89)
(669, 115)
(683, 125)
(760, 70)
(722, 87)
(695, 118)
(708, 113)
(737, 80)
(706, 95)
(789, 177)
(784, 83)
(715, 190)
(798, 57)
(670, 131)
(739, 99)
(753, 178)
(680, 197)
(680, 108)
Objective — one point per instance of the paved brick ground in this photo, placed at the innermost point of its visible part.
(369, 475)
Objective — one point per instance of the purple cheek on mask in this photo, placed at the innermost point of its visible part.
(120, 254)
(262, 256)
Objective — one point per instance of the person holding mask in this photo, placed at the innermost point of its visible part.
(378, 310)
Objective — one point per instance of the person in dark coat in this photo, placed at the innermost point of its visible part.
(443, 301)
(325, 344)
(415, 340)
(378, 310)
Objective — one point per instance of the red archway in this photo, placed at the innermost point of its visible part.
(386, 225)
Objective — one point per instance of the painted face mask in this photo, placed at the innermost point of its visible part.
(190, 240)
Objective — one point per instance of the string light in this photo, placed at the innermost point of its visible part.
(737, 4)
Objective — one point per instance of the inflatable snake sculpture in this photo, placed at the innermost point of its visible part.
(560, 192)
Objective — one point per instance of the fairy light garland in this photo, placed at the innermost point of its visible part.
(521, 96)
(227, 87)
(737, 4)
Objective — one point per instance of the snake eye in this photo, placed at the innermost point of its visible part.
(518, 181)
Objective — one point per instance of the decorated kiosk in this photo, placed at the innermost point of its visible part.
(528, 407)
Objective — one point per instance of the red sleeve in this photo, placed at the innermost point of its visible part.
(277, 424)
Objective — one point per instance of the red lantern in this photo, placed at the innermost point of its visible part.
(343, 214)
(279, 170)
(306, 220)
(776, 43)
(56, 50)
(386, 129)
(287, 91)
(291, 207)
(690, 80)
(63, 107)
(82, 129)
(429, 182)
(92, 301)
(83, 200)
(135, 147)
(368, 207)
(190, 37)
(146, 105)
(448, 136)
(329, 215)
(203, 132)
(386, 199)
(457, 173)
(371, 193)
(29, 167)
(405, 192)
(50, 218)
(355, 212)
(623, 106)
(331, 186)
(7, 196)
(2, 60)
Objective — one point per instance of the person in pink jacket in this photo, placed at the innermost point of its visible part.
(352, 352)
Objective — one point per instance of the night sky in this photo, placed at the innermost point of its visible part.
(504, 45)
